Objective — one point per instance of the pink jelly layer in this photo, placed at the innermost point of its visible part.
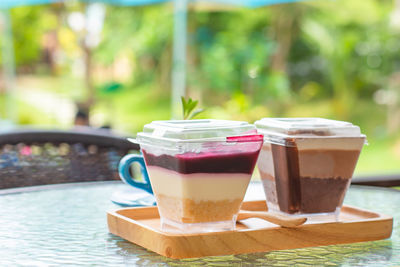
(232, 162)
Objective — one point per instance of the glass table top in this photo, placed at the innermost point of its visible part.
(66, 224)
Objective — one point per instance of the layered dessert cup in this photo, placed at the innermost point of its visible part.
(199, 171)
(306, 164)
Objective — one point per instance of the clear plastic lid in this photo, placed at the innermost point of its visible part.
(173, 131)
(280, 129)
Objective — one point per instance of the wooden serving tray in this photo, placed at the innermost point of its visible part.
(141, 225)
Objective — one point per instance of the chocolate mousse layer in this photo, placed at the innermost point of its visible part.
(322, 195)
(308, 181)
(233, 162)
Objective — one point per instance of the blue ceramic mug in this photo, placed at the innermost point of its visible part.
(123, 169)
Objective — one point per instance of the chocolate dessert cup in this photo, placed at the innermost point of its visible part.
(306, 164)
(199, 171)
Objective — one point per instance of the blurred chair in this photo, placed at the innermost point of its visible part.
(35, 157)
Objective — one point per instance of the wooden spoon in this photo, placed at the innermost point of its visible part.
(282, 220)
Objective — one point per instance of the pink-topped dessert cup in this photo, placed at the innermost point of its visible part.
(198, 175)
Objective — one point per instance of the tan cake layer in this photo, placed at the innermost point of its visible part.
(188, 211)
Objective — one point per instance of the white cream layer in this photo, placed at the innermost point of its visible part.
(198, 186)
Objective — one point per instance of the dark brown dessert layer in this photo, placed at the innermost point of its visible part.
(287, 174)
(293, 192)
(233, 162)
(317, 195)
(322, 195)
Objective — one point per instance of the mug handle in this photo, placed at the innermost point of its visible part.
(125, 175)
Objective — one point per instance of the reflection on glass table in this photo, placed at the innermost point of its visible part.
(66, 224)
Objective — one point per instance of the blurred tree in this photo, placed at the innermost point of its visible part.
(283, 59)
(144, 36)
(29, 25)
(350, 45)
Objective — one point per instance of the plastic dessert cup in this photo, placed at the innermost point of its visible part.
(306, 164)
(199, 171)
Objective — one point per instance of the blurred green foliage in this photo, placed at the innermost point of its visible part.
(29, 24)
(314, 58)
